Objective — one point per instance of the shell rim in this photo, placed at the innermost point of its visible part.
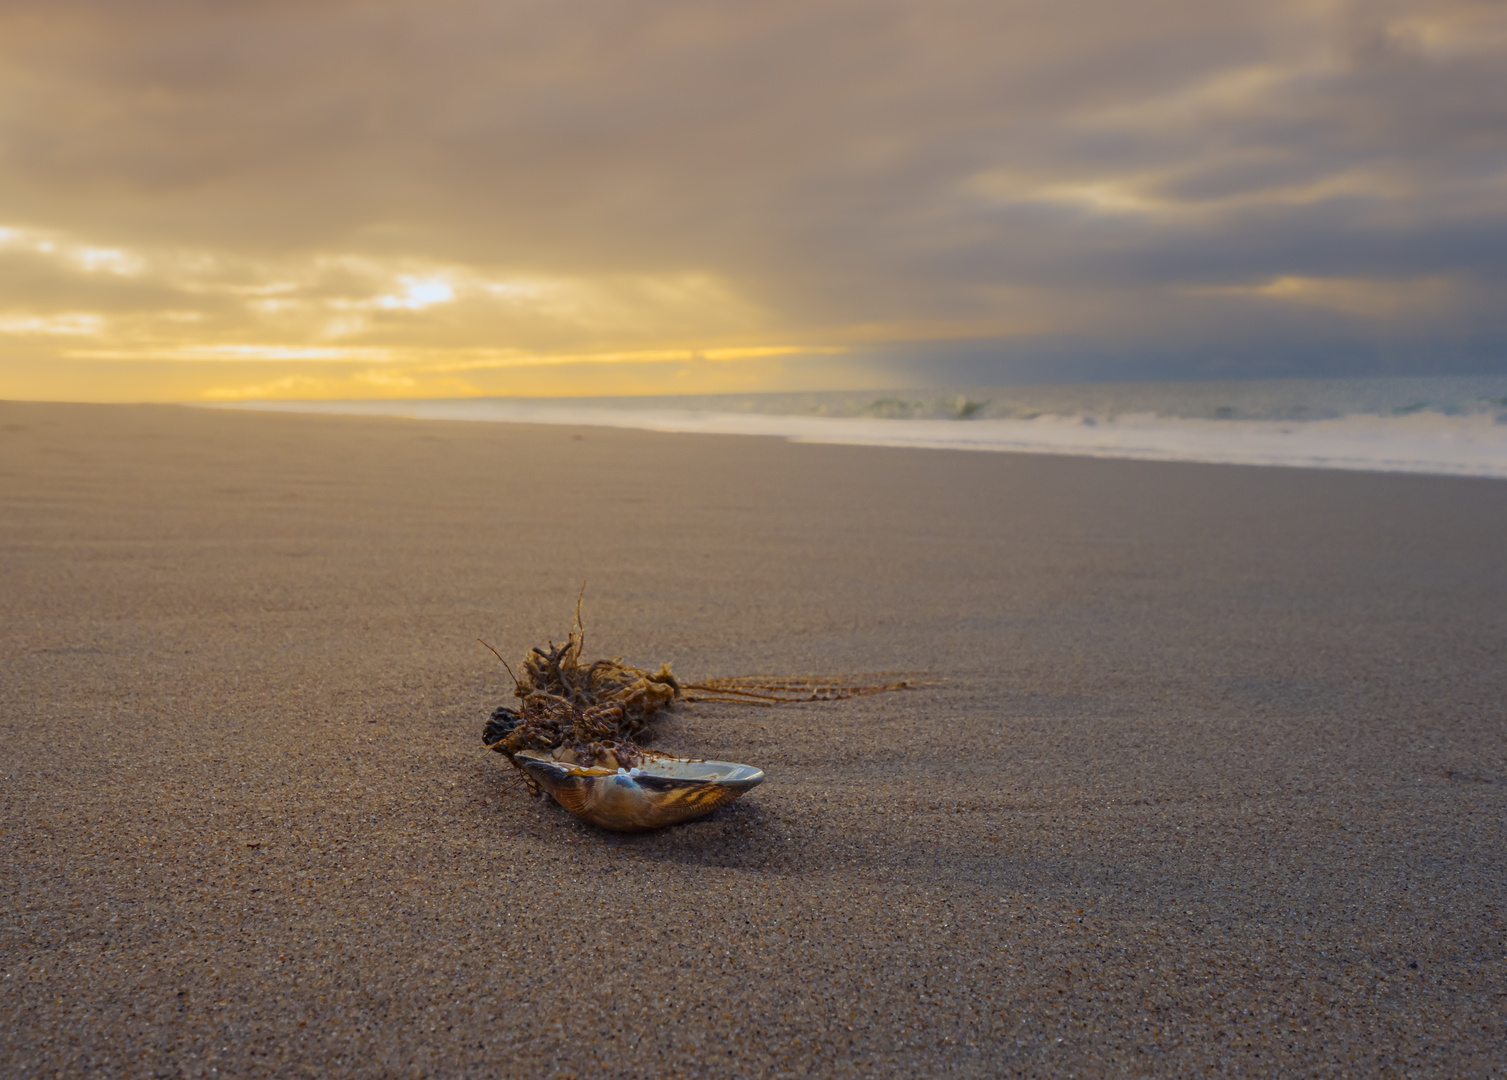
(737, 775)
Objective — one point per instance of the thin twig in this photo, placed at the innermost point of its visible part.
(497, 654)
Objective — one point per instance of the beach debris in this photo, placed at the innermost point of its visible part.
(578, 728)
(662, 791)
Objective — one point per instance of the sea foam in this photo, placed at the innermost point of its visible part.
(1460, 430)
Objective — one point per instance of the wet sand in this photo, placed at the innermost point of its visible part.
(1212, 778)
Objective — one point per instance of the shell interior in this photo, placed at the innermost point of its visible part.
(663, 791)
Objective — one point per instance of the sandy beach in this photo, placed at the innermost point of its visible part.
(1210, 777)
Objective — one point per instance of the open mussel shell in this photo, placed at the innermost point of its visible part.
(663, 791)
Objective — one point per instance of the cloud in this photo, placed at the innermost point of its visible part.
(583, 177)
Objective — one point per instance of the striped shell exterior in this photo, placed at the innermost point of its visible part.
(663, 791)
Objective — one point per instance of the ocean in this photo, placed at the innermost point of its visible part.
(1443, 425)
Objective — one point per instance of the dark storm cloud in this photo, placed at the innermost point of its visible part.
(842, 171)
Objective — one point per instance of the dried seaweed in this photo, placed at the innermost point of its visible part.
(790, 689)
(556, 675)
(597, 714)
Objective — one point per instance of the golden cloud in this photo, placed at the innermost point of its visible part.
(378, 197)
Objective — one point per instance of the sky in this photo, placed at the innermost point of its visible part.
(217, 200)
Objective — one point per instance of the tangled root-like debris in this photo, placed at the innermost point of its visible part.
(597, 714)
(587, 714)
(555, 676)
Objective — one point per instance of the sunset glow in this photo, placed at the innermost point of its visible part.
(218, 202)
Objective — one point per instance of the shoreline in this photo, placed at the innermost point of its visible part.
(1410, 444)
